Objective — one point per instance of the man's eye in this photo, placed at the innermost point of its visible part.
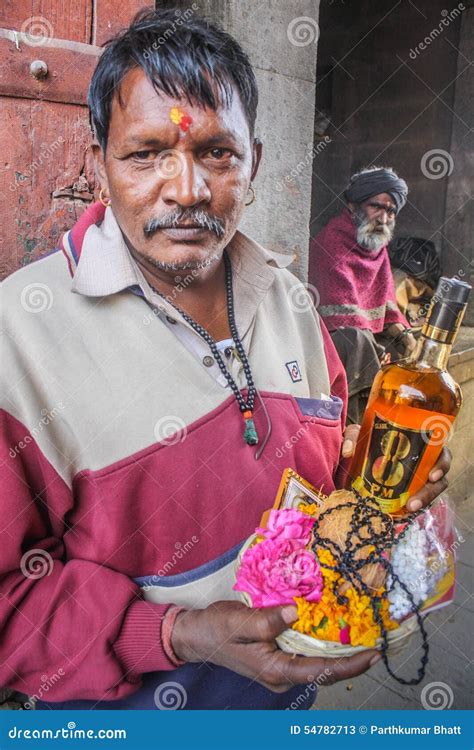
(144, 155)
(220, 153)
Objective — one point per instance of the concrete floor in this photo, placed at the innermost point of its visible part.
(451, 642)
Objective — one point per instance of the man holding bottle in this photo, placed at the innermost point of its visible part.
(123, 514)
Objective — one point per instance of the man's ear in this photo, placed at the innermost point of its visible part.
(256, 156)
(99, 165)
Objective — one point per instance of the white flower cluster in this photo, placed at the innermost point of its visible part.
(409, 562)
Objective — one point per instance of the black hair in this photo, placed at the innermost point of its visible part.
(183, 56)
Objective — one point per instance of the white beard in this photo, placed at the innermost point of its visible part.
(370, 239)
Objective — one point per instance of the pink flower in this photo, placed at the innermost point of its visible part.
(274, 571)
(345, 635)
(288, 524)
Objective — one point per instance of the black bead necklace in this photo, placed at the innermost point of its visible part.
(246, 406)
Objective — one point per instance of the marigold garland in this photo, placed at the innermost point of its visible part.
(351, 622)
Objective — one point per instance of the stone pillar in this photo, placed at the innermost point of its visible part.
(281, 41)
(458, 229)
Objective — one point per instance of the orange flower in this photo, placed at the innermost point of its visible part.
(325, 619)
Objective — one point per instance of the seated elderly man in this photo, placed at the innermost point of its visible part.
(152, 371)
(350, 268)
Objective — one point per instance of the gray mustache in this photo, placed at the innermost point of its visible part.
(197, 217)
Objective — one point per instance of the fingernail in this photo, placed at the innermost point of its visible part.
(374, 660)
(436, 475)
(414, 505)
(347, 448)
(289, 614)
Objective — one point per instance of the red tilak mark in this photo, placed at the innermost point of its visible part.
(185, 122)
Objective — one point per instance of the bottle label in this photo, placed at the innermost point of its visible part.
(393, 456)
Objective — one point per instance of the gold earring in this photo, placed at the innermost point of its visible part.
(253, 197)
(101, 198)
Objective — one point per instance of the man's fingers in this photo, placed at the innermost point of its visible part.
(266, 623)
(442, 465)
(303, 669)
(426, 495)
(351, 433)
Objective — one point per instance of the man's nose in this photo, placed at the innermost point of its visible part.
(185, 184)
(383, 217)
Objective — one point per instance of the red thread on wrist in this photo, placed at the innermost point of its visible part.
(166, 631)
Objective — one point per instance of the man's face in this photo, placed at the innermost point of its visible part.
(375, 221)
(177, 195)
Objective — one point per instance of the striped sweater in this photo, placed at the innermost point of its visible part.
(127, 485)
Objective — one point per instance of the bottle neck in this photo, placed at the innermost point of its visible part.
(430, 353)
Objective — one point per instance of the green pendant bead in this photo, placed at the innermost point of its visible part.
(250, 434)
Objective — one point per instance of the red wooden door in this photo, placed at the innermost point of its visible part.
(48, 51)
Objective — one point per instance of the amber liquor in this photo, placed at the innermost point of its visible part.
(411, 409)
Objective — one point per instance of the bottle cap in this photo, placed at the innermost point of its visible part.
(452, 290)
(447, 309)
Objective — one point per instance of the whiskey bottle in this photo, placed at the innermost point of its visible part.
(411, 409)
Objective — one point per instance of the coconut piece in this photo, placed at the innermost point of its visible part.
(335, 527)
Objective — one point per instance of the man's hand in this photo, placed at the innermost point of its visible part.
(437, 481)
(241, 639)
(395, 330)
